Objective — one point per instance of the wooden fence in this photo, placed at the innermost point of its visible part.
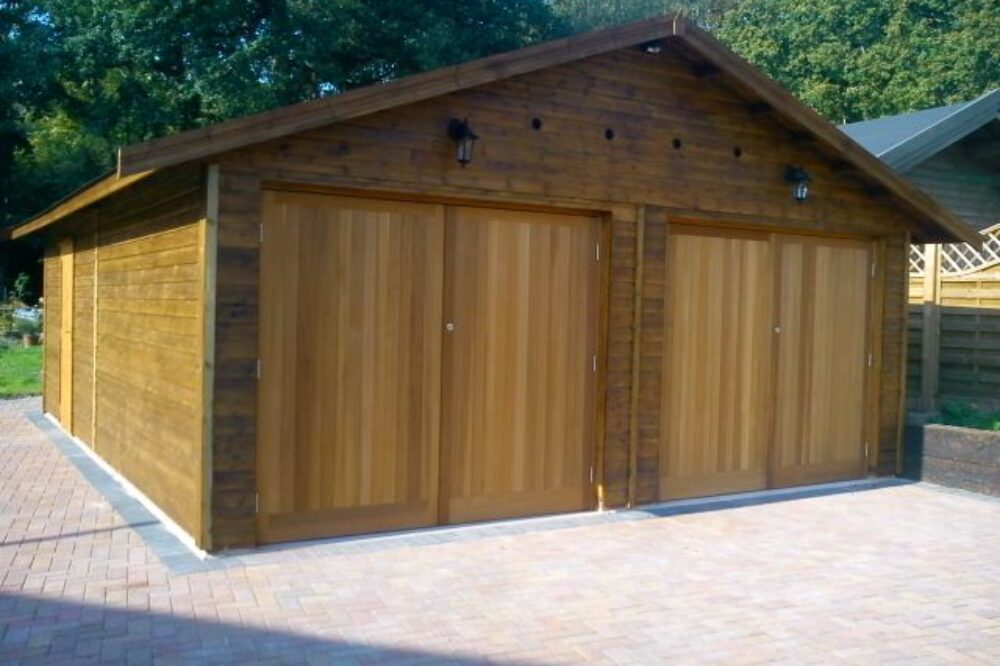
(954, 323)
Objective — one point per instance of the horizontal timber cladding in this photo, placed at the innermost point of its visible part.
(84, 329)
(137, 349)
(672, 151)
(52, 282)
(892, 389)
(66, 259)
(234, 400)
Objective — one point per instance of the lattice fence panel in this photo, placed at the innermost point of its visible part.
(961, 258)
(918, 260)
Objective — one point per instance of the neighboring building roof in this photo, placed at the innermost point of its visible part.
(906, 140)
(709, 56)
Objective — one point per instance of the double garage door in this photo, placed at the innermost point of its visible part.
(422, 364)
(765, 362)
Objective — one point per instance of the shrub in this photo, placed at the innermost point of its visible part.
(968, 415)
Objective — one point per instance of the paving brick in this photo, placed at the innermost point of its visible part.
(899, 574)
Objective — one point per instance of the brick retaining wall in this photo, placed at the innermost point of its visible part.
(952, 456)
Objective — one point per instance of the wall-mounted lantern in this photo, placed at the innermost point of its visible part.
(799, 180)
(464, 138)
(654, 47)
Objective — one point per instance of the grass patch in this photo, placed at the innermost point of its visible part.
(966, 415)
(20, 371)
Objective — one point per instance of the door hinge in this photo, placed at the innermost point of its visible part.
(870, 359)
(256, 502)
(258, 369)
(873, 270)
(594, 362)
(598, 253)
(866, 449)
(591, 473)
(261, 227)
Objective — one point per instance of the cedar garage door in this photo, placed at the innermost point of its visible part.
(422, 364)
(765, 358)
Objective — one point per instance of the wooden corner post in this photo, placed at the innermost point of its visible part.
(208, 241)
(930, 362)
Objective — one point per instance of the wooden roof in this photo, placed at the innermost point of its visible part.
(707, 55)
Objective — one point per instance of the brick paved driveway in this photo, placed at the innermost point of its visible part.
(902, 573)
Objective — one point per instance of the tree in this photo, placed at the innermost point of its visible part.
(80, 78)
(583, 15)
(860, 59)
(27, 66)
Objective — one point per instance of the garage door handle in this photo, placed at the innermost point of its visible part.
(450, 327)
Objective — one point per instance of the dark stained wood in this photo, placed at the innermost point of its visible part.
(616, 462)
(651, 352)
(892, 396)
(702, 55)
(87, 196)
(240, 132)
(755, 84)
(234, 403)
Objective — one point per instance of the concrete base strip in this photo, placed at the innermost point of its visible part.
(168, 542)
(175, 550)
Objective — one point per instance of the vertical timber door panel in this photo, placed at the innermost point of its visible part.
(518, 420)
(715, 394)
(822, 346)
(350, 339)
(66, 335)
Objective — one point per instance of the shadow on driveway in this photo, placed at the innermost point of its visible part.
(35, 630)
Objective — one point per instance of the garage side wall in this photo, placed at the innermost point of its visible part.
(138, 327)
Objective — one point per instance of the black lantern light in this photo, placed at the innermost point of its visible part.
(799, 180)
(464, 139)
(654, 47)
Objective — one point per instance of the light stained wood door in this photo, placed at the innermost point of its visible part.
(350, 339)
(716, 371)
(822, 349)
(520, 374)
(66, 335)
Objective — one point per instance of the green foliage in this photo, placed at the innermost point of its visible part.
(79, 78)
(967, 415)
(583, 15)
(20, 371)
(20, 287)
(860, 59)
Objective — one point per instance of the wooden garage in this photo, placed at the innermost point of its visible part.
(604, 271)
